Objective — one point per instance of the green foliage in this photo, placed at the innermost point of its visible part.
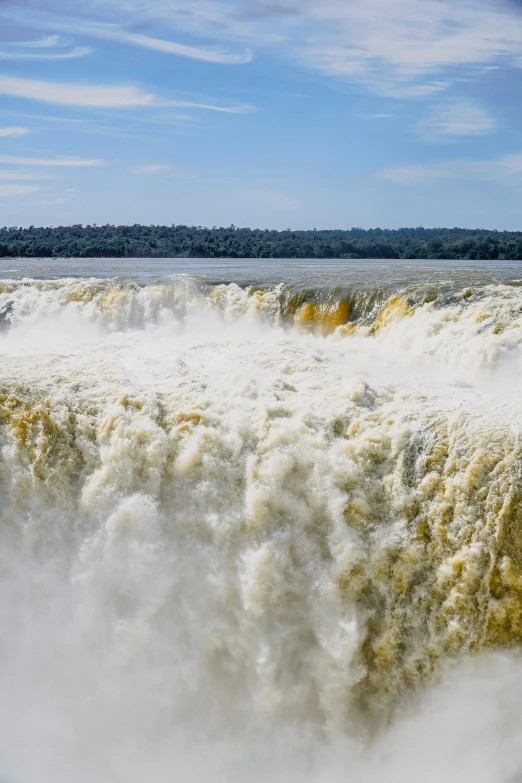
(196, 242)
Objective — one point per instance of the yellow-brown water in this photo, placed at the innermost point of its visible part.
(250, 532)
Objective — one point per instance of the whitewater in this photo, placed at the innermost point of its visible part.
(260, 521)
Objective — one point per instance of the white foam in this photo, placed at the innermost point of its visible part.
(231, 549)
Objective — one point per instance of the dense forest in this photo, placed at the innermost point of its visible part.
(197, 242)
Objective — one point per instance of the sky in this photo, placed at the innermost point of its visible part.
(264, 113)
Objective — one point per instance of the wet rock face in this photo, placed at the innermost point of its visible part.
(5, 313)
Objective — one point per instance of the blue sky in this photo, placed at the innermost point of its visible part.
(290, 113)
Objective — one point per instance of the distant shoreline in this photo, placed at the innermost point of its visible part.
(180, 241)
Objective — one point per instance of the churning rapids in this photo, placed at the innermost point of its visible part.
(260, 529)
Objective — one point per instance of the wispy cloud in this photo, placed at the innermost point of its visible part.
(400, 48)
(98, 96)
(115, 33)
(421, 173)
(19, 175)
(49, 118)
(67, 94)
(16, 190)
(78, 51)
(47, 202)
(48, 48)
(271, 199)
(47, 42)
(151, 169)
(255, 21)
(244, 108)
(14, 131)
(397, 48)
(169, 47)
(394, 46)
(68, 162)
(506, 170)
(455, 119)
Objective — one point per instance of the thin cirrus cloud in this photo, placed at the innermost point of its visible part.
(14, 131)
(98, 96)
(255, 22)
(504, 170)
(16, 190)
(109, 31)
(150, 169)
(78, 51)
(47, 48)
(68, 162)
(47, 202)
(413, 174)
(409, 48)
(404, 48)
(156, 169)
(47, 42)
(270, 199)
(19, 175)
(114, 33)
(455, 120)
(169, 47)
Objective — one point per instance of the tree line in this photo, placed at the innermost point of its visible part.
(179, 241)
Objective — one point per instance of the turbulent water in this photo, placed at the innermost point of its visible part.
(260, 523)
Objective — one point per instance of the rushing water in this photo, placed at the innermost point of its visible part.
(260, 521)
